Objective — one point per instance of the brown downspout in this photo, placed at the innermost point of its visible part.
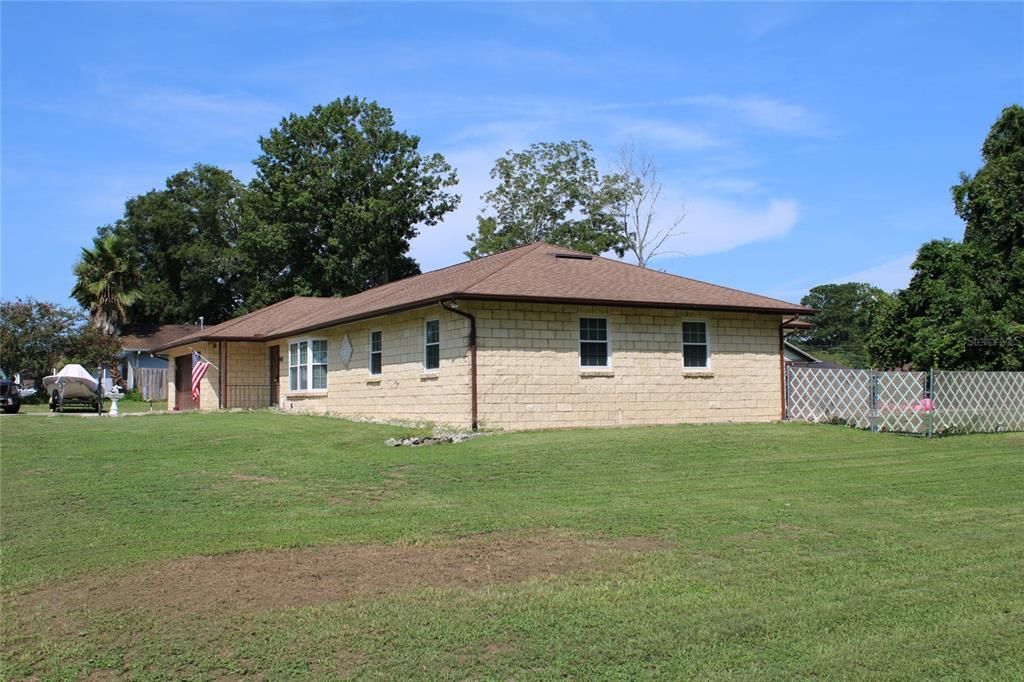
(472, 352)
(782, 361)
(223, 375)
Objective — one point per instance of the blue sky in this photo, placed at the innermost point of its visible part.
(809, 143)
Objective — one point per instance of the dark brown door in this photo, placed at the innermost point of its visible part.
(274, 372)
(183, 383)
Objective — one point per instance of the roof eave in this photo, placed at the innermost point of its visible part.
(768, 310)
(349, 319)
(206, 337)
(433, 300)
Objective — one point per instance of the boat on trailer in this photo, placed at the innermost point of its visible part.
(73, 386)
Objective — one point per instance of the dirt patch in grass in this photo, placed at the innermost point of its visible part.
(257, 581)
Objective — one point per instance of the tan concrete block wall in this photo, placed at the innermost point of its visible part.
(248, 375)
(404, 390)
(209, 388)
(530, 375)
(528, 368)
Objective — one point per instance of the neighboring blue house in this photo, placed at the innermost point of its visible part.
(137, 343)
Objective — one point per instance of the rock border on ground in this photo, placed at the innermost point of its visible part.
(436, 439)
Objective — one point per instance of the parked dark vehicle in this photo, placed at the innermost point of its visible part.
(10, 394)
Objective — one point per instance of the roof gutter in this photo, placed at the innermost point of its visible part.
(453, 306)
(782, 365)
(795, 310)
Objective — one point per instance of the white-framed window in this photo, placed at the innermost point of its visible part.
(376, 352)
(432, 345)
(696, 345)
(595, 351)
(307, 365)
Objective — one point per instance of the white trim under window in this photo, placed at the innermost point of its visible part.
(696, 345)
(431, 345)
(595, 343)
(307, 365)
(376, 362)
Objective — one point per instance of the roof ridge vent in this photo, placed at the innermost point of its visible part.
(573, 256)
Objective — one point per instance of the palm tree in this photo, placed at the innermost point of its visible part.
(106, 282)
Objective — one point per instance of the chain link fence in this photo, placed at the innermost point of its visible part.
(925, 403)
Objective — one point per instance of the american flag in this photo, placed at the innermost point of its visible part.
(199, 367)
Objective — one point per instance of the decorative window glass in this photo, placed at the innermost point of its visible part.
(307, 365)
(432, 345)
(695, 345)
(376, 353)
(594, 349)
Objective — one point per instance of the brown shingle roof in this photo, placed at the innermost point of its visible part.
(148, 337)
(537, 272)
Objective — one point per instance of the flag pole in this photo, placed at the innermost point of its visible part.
(204, 358)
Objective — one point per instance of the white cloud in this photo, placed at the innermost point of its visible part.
(725, 185)
(889, 276)
(186, 113)
(668, 134)
(714, 224)
(173, 101)
(178, 118)
(719, 217)
(764, 112)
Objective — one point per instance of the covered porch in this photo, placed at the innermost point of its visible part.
(242, 375)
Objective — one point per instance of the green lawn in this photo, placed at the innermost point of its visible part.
(772, 551)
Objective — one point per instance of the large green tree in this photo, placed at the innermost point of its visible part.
(37, 337)
(843, 321)
(941, 319)
(964, 307)
(553, 192)
(185, 239)
(106, 280)
(340, 193)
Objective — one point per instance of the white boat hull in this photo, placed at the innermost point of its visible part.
(72, 388)
(72, 385)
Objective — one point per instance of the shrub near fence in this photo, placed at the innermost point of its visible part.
(926, 403)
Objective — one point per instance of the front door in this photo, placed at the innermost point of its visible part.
(274, 373)
(183, 383)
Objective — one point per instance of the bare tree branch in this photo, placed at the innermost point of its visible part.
(643, 233)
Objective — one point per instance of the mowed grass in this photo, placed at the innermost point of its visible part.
(123, 407)
(789, 550)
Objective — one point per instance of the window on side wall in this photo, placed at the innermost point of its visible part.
(696, 349)
(594, 349)
(432, 345)
(307, 365)
(318, 368)
(376, 352)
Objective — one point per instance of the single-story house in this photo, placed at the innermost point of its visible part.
(138, 344)
(534, 337)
